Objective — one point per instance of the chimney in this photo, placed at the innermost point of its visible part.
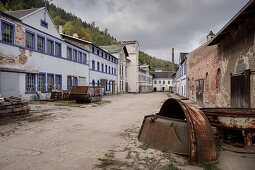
(210, 36)
(61, 29)
(172, 59)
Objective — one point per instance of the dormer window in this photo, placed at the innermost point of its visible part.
(44, 24)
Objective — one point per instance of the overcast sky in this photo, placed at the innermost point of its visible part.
(158, 25)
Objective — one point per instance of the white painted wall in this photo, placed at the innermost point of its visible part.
(158, 84)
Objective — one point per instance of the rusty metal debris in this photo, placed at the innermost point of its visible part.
(87, 94)
(237, 119)
(180, 128)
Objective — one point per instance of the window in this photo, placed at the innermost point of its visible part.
(40, 43)
(69, 83)
(93, 50)
(155, 82)
(80, 57)
(219, 80)
(102, 69)
(30, 82)
(207, 82)
(7, 32)
(69, 53)
(110, 58)
(41, 82)
(97, 52)
(50, 47)
(98, 66)
(93, 82)
(50, 82)
(58, 82)
(112, 70)
(93, 65)
(159, 82)
(120, 70)
(30, 40)
(168, 82)
(164, 82)
(57, 49)
(102, 53)
(106, 68)
(105, 56)
(109, 86)
(115, 71)
(98, 83)
(44, 24)
(74, 55)
(84, 59)
(109, 70)
(75, 81)
(106, 85)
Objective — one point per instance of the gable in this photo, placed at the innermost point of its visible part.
(34, 20)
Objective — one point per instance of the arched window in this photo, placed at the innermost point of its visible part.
(218, 80)
(93, 82)
(207, 82)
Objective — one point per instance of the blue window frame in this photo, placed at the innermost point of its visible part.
(58, 81)
(109, 70)
(112, 70)
(84, 59)
(75, 55)
(93, 65)
(41, 82)
(75, 81)
(106, 68)
(30, 39)
(109, 86)
(98, 83)
(69, 53)
(44, 24)
(98, 66)
(106, 85)
(115, 71)
(58, 51)
(50, 82)
(40, 43)
(93, 82)
(79, 57)
(8, 30)
(69, 83)
(50, 46)
(30, 83)
(102, 68)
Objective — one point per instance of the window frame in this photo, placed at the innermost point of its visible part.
(60, 49)
(42, 21)
(13, 31)
(60, 75)
(86, 60)
(71, 57)
(71, 78)
(78, 56)
(44, 85)
(102, 67)
(48, 39)
(29, 92)
(75, 56)
(53, 83)
(30, 32)
(93, 67)
(44, 47)
(98, 66)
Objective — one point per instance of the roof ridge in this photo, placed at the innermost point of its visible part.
(24, 9)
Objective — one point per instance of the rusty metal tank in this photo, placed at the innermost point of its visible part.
(180, 128)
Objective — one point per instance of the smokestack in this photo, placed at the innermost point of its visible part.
(61, 29)
(172, 59)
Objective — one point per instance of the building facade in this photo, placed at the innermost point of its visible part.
(145, 79)
(162, 80)
(132, 66)
(181, 76)
(120, 52)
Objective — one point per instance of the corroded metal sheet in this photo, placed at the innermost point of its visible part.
(201, 143)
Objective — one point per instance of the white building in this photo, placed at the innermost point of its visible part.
(120, 52)
(181, 75)
(132, 66)
(145, 79)
(34, 57)
(162, 80)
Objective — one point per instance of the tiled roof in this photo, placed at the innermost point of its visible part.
(22, 13)
(163, 74)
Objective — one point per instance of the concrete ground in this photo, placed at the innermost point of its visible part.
(65, 135)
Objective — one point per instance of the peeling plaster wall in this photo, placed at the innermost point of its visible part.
(238, 47)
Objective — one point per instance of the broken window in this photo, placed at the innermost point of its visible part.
(219, 80)
(40, 44)
(58, 82)
(41, 82)
(69, 83)
(50, 82)
(7, 32)
(57, 49)
(74, 55)
(50, 47)
(80, 57)
(30, 82)
(69, 53)
(30, 39)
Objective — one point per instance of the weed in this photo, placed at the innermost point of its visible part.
(171, 167)
(37, 118)
(105, 162)
(70, 104)
(144, 147)
(210, 166)
(129, 155)
(168, 95)
(167, 155)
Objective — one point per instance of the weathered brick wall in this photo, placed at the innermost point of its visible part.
(19, 36)
(204, 60)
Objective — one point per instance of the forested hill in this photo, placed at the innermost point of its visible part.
(87, 31)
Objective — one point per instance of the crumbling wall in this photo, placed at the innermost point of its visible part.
(20, 59)
(19, 36)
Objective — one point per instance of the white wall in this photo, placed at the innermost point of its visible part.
(160, 86)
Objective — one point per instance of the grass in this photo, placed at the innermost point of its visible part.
(168, 95)
(70, 104)
(210, 166)
(104, 162)
(144, 147)
(37, 118)
(171, 167)
(167, 155)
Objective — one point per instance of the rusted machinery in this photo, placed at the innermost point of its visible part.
(87, 94)
(180, 128)
(242, 119)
